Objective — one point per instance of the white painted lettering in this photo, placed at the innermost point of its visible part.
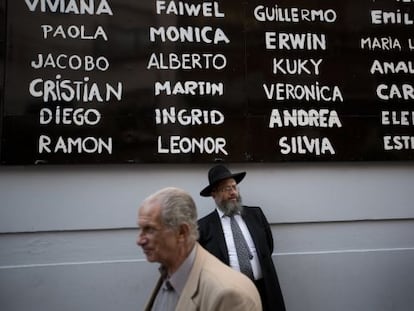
(70, 6)
(174, 61)
(313, 92)
(69, 116)
(204, 34)
(394, 91)
(206, 9)
(188, 117)
(296, 66)
(398, 143)
(69, 90)
(73, 62)
(381, 43)
(189, 88)
(300, 117)
(305, 145)
(293, 15)
(292, 41)
(77, 145)
(179, 144)
(73, 32)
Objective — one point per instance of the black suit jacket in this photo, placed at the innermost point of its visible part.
(212, 239)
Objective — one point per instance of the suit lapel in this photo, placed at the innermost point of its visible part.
(217, 230)
(191, 288)
(150, 302)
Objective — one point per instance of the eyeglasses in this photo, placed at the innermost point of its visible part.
(229, 189)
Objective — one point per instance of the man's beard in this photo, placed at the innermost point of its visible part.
(230, 208)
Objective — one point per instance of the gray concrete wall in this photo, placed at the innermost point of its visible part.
(344, 233)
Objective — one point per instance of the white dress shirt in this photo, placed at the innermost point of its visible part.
(228, 235)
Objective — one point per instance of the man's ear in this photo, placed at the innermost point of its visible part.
(213, 193)
(183, 232)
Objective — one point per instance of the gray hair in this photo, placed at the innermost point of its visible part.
(177, 208)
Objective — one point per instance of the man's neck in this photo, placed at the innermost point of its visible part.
(182, 255)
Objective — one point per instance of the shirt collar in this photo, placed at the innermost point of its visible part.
(220, 212)
(222, 215)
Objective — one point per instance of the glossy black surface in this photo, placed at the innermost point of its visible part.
(123, 47)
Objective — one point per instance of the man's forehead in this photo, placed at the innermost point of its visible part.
(226, 182)
(150, 210)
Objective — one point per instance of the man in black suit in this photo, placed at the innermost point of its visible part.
(249, 252)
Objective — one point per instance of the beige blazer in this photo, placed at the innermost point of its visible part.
(213, 286)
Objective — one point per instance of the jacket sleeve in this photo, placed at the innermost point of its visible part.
(231, 299)
(268, 231)
(202, 232)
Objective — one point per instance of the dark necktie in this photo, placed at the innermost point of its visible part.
(243, 252)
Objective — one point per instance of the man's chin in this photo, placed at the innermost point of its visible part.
(149, 256)
(231, 208)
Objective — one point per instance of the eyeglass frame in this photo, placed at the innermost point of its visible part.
(228, 189)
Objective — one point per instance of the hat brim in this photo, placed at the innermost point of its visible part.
(238, 177)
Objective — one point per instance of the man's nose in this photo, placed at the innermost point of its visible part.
(141, 239)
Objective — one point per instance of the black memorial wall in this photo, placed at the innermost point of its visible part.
(100, 81)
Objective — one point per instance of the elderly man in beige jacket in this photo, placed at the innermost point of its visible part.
(191, 278)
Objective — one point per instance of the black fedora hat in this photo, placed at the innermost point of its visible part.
(218, 173)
